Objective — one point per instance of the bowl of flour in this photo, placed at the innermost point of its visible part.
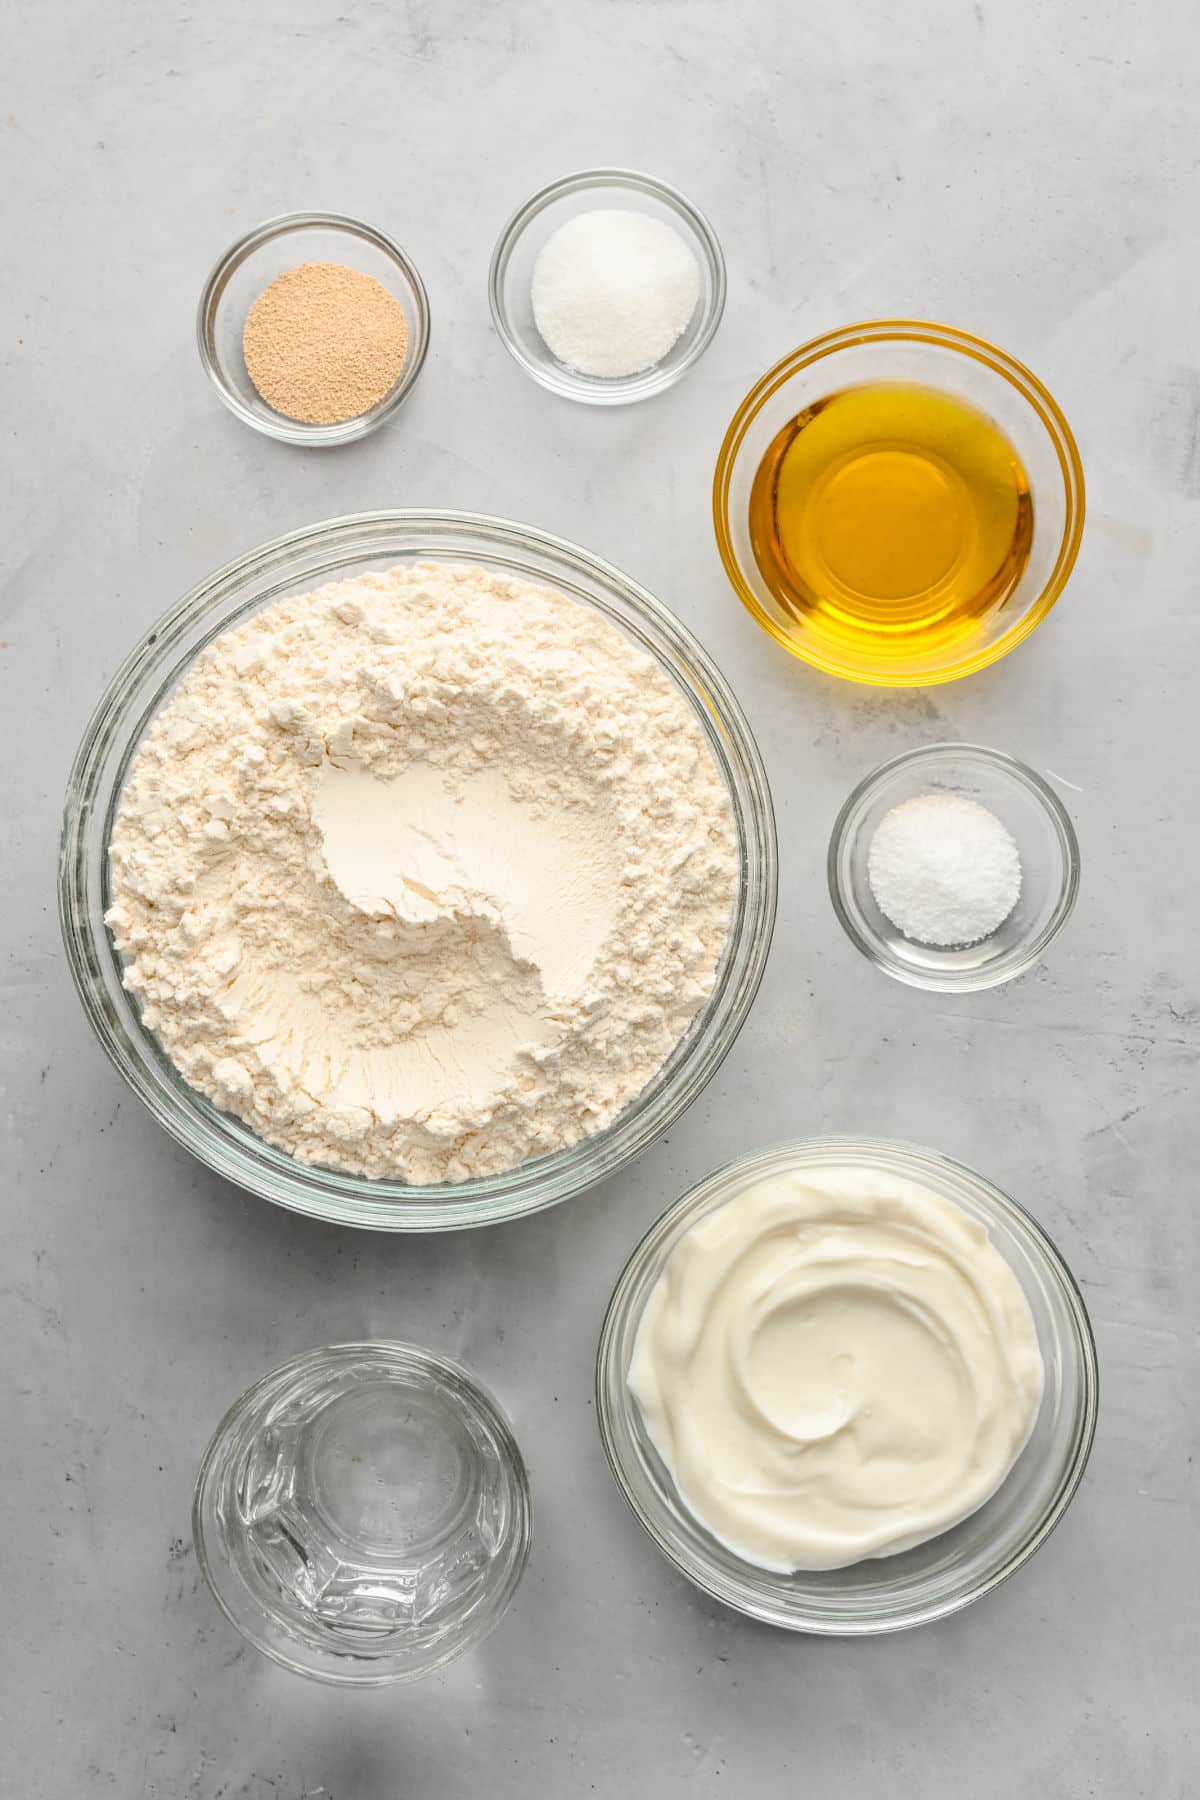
(418, 869)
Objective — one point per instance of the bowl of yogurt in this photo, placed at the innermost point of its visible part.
(417, 870)
(847, 1386)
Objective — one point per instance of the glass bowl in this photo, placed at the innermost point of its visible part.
(295, 564)
(1033, 815)
(251, 264)
(937, 1577)
(362, 1514)
(936, 356)
(511, 277)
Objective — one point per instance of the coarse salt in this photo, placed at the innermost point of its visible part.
(944, 870)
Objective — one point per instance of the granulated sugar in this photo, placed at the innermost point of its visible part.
(613, 291)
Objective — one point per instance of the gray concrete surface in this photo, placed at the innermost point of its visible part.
(1028, 170)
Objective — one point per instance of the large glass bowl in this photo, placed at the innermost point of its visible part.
(294, 564)
(934, 1578)
(934, 356)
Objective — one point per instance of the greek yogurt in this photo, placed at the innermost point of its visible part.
(836, 1364)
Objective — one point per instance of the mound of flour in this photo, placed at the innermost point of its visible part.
(422, 874)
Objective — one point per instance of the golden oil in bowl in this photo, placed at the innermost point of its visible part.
(889, 519)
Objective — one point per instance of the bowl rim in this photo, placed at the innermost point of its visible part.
(230, 1149)
(949, 981)
(913, 1160)
(295, 431)
(592, 390)
(325, 1666)
(945, 337)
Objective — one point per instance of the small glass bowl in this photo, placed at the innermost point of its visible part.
(944, 1574)
(251, 264)
(1031, 812)
(296, 564)
(510, 281)
(937, 356)
(362, 1513)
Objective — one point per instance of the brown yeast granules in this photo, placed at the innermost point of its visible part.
(324, 343)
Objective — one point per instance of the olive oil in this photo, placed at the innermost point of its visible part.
(890, 520)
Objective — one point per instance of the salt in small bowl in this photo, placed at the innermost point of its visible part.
(1029, 810)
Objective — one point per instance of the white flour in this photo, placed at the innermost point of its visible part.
(423, 874)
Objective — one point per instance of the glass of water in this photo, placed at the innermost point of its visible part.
(362, 1514)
